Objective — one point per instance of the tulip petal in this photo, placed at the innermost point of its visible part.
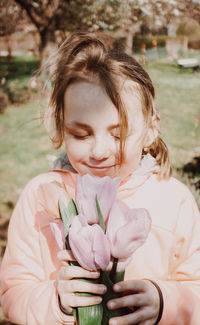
(87, 188)
(135, 229)
(101, 248)
(89, 244)
(127, 231)
(80, 242)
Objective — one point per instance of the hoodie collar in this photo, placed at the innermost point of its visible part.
(129, 185)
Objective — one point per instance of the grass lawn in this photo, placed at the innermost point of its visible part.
(178, 99)
(24, 149)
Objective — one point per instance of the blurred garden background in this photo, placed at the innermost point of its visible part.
(158, 33)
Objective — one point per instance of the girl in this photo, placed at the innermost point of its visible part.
(104, 113)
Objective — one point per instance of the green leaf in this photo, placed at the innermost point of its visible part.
(110, 294)
(75, 314)
(72, 208)
(101, 219)
(67, 214)
(89, 315)
(119, 276)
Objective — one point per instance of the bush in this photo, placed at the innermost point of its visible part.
(17, 76)
(18, 92)
(194, 44)
(149, 40)
(3, 100)
(138, 40)
(190, 175)
(18, 67)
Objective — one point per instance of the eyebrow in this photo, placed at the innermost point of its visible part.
(77, 124)
(87, 127)
(114, 126)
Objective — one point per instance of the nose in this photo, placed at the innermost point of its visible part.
(100, 150)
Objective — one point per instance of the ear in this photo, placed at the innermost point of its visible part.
(153, 131)
(150, 137)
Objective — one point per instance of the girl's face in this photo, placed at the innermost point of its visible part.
(92, 130)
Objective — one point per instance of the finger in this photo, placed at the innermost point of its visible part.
(134, 318)
(70, 272)
(72, 300)
(65, 255)
(136, 300)
(82, 286)
(135, 286)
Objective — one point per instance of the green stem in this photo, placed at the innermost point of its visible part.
(114, 270)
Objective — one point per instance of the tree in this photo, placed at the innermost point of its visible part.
(129, 15)
(9, 18)
(126, 16)
(193, 9)
(63, 16)
(48, 17)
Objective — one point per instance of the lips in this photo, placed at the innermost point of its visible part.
(100, 167)
(101, 170)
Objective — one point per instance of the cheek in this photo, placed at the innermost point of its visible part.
(133, 151)
(75, 149)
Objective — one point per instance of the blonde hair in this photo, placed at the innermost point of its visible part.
(85, 56)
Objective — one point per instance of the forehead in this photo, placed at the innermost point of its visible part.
(85, 99)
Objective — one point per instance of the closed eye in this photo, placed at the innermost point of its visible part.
(116, 136)
(80, 137)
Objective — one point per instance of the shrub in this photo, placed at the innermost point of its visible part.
(190, 174)
(194, 44)
(3, 100)
(138, 40)
(149, 40)
(18, 92)
(17, 76)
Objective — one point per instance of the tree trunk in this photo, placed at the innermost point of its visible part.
(9, 48)
(129, 41)
(130, 32)
(47, 48)
(48, 43)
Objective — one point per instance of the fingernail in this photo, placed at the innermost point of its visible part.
(116, 287)
(98, 300)
(113, 322)
(111, 304)
(102, 288)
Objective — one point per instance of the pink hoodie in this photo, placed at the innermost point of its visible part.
(170, 256)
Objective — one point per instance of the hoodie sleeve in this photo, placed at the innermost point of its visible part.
(27, 294)
(182, 289)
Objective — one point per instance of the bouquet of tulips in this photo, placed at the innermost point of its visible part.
(101, 231)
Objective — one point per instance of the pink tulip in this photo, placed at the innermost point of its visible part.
(127, 230)
(87, 187)
(89, 244)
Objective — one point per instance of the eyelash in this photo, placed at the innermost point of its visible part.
(117, 137)
(83, 137)
(80, 137)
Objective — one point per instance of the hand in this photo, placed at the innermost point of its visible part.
(139, 294)
(69, 283)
